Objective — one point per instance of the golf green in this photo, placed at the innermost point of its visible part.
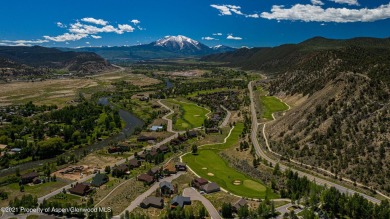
(209, 165)
(192, 115)
(271, 105)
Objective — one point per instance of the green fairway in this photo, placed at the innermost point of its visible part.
(209, 165)
(271, 105)
(191, 115)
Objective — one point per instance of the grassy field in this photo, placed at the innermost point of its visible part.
(208, 164)
(271, 105)
(190, 115)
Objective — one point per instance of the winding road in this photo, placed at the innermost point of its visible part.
(283, 167)
(195, 195)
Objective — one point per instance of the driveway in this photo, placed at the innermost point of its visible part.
(195, 195)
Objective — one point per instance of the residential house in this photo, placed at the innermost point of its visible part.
(146, 138)
(80, 189)
(36, 180)
(181, 166)
(210, 187)
(169, 169)
(146, 178)
(151, 201)
(164, 148)
(123, 169)
(167, 188)
(154, 171)
(134, 163)
(239, 204)
(199, 182)
(28, 177)
(99, 179)
(180, 201)
(192, 134)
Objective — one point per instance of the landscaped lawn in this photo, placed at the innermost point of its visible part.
(191, 116)
(209, 165)
(271, 105)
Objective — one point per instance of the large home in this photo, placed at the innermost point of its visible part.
(210, 188)
(169, 169)
(123, 168)
(151, 201)
(146, 178)
(80, 189)
(239, 204)
(199, 182)
(154, 171)
(134, 163)
(164, 148)
(180, 201)
(166, 188)
(146, 138)
(28, 177)
(181, 166)
(99, 179)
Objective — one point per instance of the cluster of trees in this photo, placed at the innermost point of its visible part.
(225, 73)
(66, 127)
(266, 209)
(181, 213)
(26, 201)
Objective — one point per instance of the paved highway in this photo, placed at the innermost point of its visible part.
(262, 154)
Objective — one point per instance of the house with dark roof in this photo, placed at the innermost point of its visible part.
(154, 171)
(80, 189)
(36, 180)
(239, 204)
(180, 201)
(123, 168)
(28, 177)
(146, 178)
(99, 179)
(134, 163)
(151, 201)
(210, 187)
(164, 148)
(146, 138)
(192, 134)
(166, 188)
(199, 182)
(181, 166)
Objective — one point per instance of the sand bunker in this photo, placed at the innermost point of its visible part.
(236, 182)
(204, 168)
(210, 174)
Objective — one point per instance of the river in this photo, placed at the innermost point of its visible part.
(131, 123)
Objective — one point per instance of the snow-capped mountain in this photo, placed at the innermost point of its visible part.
(182, 44)
(167, 47)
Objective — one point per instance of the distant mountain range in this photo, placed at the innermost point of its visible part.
(22, 60)
(165, 48)
(284, 57)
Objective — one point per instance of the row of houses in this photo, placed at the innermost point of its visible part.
(158, 202)
(157, 172)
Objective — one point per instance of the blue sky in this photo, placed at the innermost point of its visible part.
(75, 23)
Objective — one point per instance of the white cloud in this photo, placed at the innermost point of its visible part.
(217, 34)
(24, 41)
(95, 21)
(66, 37)
(317, 2)
(253, 15)
(209, 38)
(125, 28)
(96, 37)
(61, 25)
(228, 9)
(135, 21)
(316, 13)
(349, 2)
(231, 37)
